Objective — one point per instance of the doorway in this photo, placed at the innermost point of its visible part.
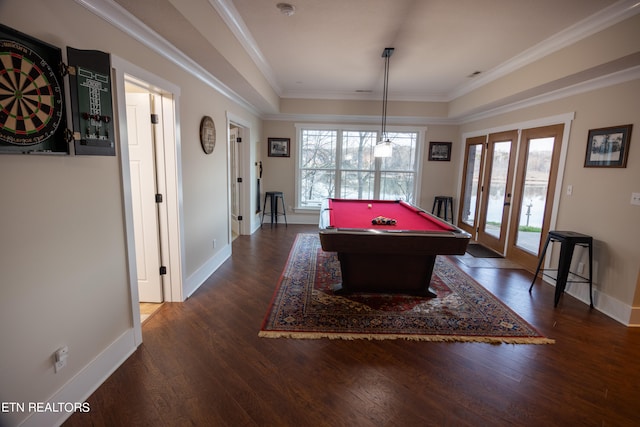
(170, 211)
(240, 176)
(534, 192)
(141, 132)
(508, 190)
(496, 197)
(236, 179)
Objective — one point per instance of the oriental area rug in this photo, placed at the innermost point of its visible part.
(304, 306)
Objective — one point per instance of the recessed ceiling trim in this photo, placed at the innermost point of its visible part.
(231, 17)
(599, 21)
(576, 89)
(120, 18)
(362, 96)
(368, 120)
(586, 86)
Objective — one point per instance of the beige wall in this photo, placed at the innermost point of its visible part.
(600, 203)
(63, 263)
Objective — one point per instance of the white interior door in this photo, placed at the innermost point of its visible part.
(143, 190)
(235, 187)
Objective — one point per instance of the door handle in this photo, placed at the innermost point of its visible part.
(507, 204)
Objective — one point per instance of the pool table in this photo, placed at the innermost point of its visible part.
(389, 258)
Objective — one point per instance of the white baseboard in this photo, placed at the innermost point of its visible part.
(84, 383)
(196, 280)
(602, 302)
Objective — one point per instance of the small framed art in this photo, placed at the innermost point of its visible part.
(279, 147)
(608, 147)
(440, 151)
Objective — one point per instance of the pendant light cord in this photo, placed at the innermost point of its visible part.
(385, 93)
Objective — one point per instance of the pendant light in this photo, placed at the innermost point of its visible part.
(383, 147)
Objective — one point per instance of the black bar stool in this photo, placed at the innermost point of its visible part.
(438, 202)
(273, 197)
(568, 241)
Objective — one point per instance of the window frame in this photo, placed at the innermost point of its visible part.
(340, 129)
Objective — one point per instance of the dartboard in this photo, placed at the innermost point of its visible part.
(31, 105)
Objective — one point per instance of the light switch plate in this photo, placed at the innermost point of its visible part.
(635, 199)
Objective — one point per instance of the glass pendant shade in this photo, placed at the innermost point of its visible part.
(382, 149)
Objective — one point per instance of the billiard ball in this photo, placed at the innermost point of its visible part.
(369, 205)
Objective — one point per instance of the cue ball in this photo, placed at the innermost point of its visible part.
(369, 205)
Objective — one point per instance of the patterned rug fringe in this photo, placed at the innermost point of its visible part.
(433, 338)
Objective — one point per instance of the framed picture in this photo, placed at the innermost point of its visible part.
(608, 147)
(279, 147)
(440, 151)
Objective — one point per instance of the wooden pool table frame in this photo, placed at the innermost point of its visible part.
(389, 261)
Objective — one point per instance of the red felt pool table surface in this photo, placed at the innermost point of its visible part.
(356, 214)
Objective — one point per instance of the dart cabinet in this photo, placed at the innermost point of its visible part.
(32, 103)
(91, 102)
(33, 110)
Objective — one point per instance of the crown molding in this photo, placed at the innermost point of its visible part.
(336, 118)
(363, 96)
(576, 89)
(599, 21)
(120, 18)
(231, 17)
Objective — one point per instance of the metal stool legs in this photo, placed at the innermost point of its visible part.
(273, 197)
(568, 241)
(438, 201)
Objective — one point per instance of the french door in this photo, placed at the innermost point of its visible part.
(471, 183)
(534, 191)
(496, 198)
(508, 188)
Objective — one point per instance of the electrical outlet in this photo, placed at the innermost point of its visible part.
(635, 198)
(569, 190)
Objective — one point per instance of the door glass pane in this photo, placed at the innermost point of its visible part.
(534, 194)
(470, 202)
(497, 188)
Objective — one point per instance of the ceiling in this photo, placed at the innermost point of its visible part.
(332, 48)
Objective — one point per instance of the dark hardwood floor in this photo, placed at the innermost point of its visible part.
(203, 364)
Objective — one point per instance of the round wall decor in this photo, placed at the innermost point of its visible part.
(207, 134)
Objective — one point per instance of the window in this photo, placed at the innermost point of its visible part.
(337, 162)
